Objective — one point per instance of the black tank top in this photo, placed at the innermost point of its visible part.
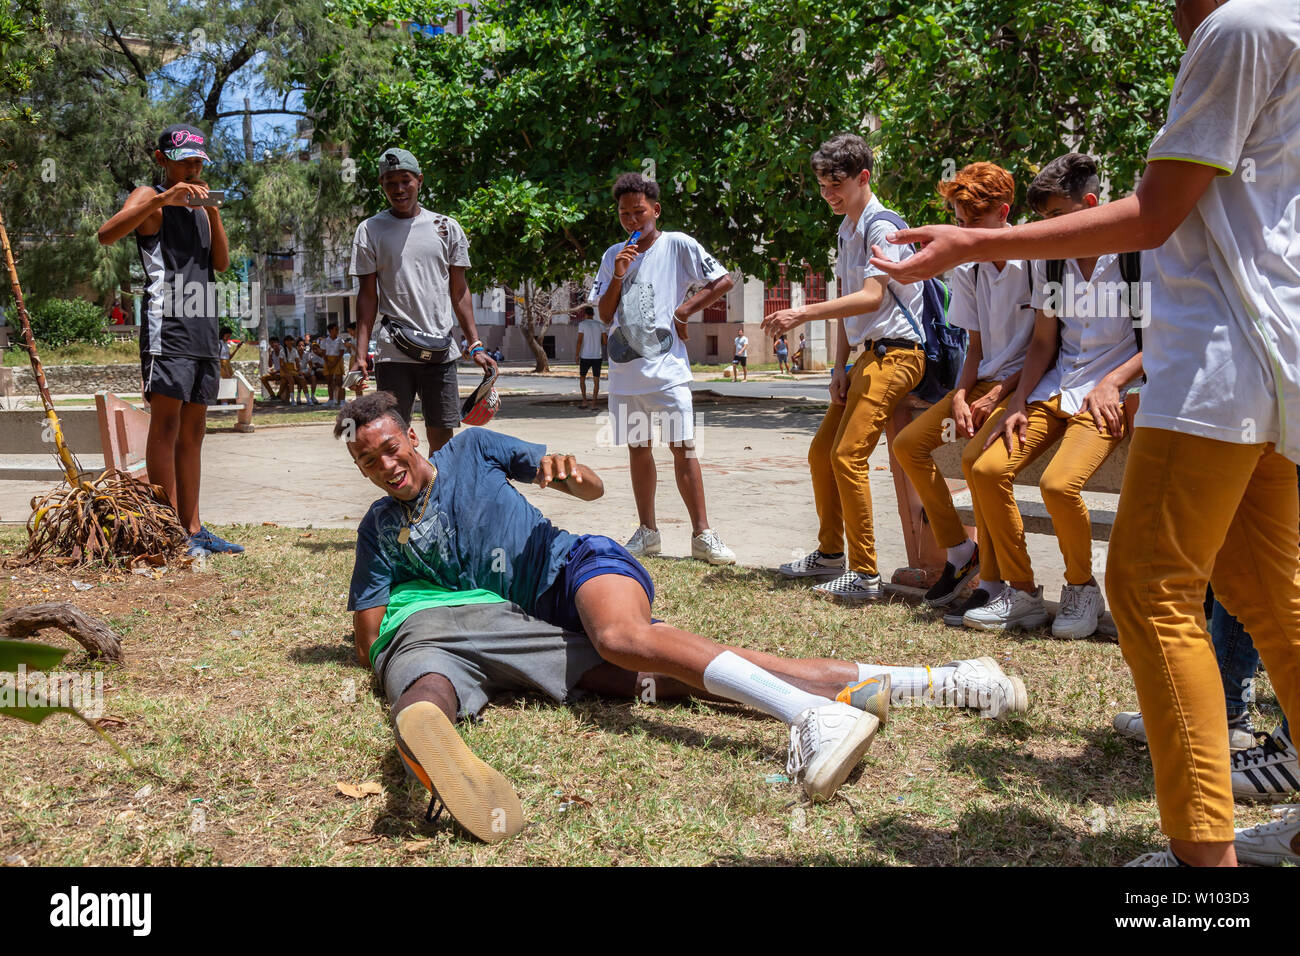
(178, 315)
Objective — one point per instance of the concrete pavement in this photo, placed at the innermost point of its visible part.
(753, 455)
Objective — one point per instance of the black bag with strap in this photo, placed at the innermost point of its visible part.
(419, 345)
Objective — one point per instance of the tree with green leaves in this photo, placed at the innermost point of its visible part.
(522, 124)
(24, 52)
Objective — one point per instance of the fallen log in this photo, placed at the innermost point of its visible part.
(90, 632)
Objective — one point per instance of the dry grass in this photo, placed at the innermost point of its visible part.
(240, 702)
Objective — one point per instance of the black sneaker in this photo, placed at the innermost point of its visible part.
(952, 580)
(978, 598)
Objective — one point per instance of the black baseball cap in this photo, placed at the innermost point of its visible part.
(182, 141)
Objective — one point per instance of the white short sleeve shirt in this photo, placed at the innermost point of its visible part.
(996, 304)
(853, 268)
(1222, 352)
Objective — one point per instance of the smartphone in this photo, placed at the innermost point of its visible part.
(352, 379)
(215, 197)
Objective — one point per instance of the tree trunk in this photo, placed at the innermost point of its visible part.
(90, 632)
(530, 335)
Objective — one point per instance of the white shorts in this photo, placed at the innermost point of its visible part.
(636, 417)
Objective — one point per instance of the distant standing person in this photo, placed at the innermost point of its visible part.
(182, 246)
(782, 350)
(590, 347)
(411, 263)
(740, 354)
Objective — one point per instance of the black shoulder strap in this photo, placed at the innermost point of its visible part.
(1130, 271)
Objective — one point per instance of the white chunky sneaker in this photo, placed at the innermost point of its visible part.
(1163, 857)
(1011, 609)
(1272, 844)
(1270, 770)
(815, 565)
(1129, 724)
(1081, 608)
(852, 588)
(982, 685)
(826, 743)
(644, 542)
(707, 546)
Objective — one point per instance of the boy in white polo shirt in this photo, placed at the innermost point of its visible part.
(1209, 490)
(873, 313)
(332, 348)
(990, 301)
(640, 290)
(591, 352)
(1072, 393)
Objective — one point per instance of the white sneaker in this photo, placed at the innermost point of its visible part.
(707, 546)
(644, 542)
(826, 743)
(980, 684)
(1081, 608)
(1272, 844)
(1163, 857)
(1011, 609)
(1270, 770)
(1129, 724)
(852, 588)
(815, 565)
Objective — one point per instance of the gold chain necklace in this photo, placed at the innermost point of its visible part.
(404, 535)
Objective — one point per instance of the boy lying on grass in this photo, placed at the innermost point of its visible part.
(462, 589)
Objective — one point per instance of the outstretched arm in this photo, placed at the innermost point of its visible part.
(1169, 191)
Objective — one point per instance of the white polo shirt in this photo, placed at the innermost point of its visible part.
(1097, 334)
(1223, 350)
(332, 346)
(853, 267)
(996, 304)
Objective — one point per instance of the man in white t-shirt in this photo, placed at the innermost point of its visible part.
(590, 347)
(873, 312)
(411, 265)
(740, 354)
(1210, 487)
(640, 292)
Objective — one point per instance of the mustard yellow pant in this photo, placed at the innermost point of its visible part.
(1194, 510)
(838, 456)
(915, 447)
(993, 471)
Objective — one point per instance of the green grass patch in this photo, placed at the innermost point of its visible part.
(241, 703)
(76, 353)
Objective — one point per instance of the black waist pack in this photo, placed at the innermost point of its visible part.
(421, 346)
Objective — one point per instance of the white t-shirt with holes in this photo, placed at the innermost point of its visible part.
(411, 258)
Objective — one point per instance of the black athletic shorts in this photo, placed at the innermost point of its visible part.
(741, 360)
(589, 365)
(185, 379)
(435, 383)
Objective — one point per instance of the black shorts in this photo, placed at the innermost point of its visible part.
(741, 360)
(434, 382)
(186, 379)
(589, 365)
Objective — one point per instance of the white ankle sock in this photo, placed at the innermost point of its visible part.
(959, 555)
(731, 676)
(992, 587)
(910, 681)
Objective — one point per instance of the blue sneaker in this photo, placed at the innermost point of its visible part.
(198, 546)
(216, 544)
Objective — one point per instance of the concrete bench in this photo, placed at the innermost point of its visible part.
(924, 556)
(238, 390)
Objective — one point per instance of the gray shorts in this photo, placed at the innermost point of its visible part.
(484, 650)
